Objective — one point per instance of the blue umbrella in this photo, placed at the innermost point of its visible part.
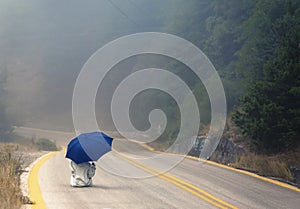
(88, 147)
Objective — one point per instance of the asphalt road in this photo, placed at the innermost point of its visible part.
(125, 178)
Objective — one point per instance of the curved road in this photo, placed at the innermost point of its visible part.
(190, 184)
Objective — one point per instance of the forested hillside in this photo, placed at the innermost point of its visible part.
(255, 47)
(253, 44)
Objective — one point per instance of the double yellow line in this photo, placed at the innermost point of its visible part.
(182, 184)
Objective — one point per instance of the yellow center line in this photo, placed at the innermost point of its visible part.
(34, 189)
(182, 184)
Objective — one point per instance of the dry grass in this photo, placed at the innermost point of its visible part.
(264, 165)
(277, 166)
(10, 170)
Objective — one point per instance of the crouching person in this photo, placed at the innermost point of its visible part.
(82, 174)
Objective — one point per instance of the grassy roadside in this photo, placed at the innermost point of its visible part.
(278, 166)
(263, 165)
(14, 157)
(10, 171)
(275, 166)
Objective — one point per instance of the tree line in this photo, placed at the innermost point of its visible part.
(5, 121)
(255, 47)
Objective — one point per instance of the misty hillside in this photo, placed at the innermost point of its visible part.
(253, 44)
(44, 44)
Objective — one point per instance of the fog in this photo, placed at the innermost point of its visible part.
(44, 44)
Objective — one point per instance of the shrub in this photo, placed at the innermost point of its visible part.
(46, 144)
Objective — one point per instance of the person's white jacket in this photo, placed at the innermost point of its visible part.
(82, 174)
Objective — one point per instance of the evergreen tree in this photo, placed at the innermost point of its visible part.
(270, 111)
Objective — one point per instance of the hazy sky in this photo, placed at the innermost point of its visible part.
(44, 44)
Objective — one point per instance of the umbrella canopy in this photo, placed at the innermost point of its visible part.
(88, 147)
